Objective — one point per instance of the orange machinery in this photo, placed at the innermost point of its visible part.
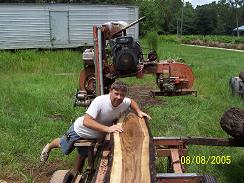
(124, 58)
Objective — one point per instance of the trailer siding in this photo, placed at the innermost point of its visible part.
(58, 25)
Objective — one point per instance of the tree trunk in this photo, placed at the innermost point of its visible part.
(232, 122)
(132, 154)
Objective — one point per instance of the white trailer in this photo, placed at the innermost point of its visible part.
(58, 25)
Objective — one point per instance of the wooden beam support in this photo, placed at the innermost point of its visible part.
(175, 160)
(167, 152)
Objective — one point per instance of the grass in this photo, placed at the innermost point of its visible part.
(200, 116)
(36, 106)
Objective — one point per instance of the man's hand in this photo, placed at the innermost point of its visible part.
(115, 128)
(136, 108)
(143, 114)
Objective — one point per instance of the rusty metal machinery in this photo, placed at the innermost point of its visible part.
(237, 85)
(174, 78)
(124, 58)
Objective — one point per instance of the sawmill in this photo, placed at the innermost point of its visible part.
(131, 156)
(125, 59)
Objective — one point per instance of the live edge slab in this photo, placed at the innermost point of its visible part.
(130, 155)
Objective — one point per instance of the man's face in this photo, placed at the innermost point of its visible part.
(117, 97)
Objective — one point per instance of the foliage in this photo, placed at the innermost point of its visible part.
(152, 40)
(153, 13)
(206, 20)
(171, 10)
(189, 19)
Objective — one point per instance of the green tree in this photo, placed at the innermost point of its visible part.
(235, 4)
(171, 11)
(224, 19)
(150, 9)
(189, 19)
(206, 19)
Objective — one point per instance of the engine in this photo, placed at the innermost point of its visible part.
(166, 84)
(126, 55)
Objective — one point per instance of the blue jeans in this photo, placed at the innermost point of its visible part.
(67, 142)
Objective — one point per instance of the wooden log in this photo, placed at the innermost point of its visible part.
(232, 122)
(133, 152)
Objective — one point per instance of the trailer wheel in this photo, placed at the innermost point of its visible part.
(58, 176)
(90, 84)
(209, 179)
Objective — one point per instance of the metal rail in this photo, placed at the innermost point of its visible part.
(208, 141)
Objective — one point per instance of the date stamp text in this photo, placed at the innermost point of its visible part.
(206, 160)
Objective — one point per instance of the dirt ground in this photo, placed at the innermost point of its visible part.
(43, 174)
(36, 175)
(141, 94)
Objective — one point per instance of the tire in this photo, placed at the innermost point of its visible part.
(231, 81)
(90, 84)
(241, 89)
(235, 85)
(209, 179)
(58, 176)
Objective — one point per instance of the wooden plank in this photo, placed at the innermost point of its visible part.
(131, 157)
(175, 159)
(167, 152)
(80, 143)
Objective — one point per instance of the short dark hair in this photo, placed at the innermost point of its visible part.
(119, 85)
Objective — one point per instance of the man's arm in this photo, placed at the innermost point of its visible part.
(91, 123)
(136, 108)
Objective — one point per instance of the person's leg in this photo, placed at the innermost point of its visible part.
(55, 143)
(72, 174)
(79, 163)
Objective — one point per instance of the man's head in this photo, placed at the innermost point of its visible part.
(118, 91)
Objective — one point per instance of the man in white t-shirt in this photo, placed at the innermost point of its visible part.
(97, 121)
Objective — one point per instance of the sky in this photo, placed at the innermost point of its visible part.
(200, 2)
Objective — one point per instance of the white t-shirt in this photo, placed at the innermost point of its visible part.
(102, 110)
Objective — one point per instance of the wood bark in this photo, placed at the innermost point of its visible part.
(232, 122)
